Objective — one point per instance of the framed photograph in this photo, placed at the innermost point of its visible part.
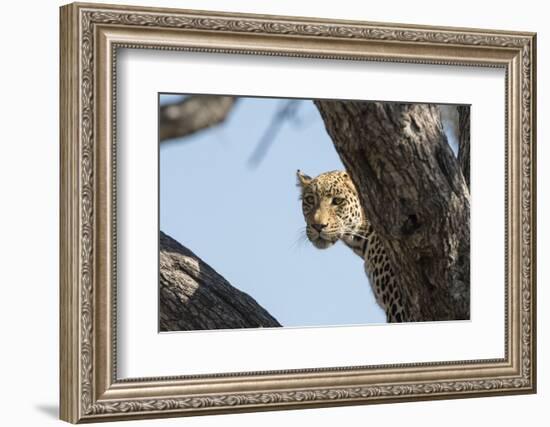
(267, 212)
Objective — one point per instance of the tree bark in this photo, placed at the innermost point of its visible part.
(413, 192)
(193, 296)
(464, 141)
(193, 114)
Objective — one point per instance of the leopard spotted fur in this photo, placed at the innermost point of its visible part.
(332, 211)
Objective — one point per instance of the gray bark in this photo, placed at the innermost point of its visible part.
(464, 141)
(192, 114)
(193, 296)
(413, 192)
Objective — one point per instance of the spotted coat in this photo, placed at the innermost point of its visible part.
(332, 211)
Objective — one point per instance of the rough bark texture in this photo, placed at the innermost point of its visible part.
(193, 114)
(194, 297)
(413, 192)
(464, 141)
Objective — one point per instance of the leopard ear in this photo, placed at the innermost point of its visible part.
(303, 179)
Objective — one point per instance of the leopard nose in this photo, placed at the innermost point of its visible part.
(319, 227)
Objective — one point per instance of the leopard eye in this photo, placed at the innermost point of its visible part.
(309, 199)
(336, 201)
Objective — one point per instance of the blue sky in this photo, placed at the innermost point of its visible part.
(247, 222)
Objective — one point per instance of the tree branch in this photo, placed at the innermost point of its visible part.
(286, 111)
(413, 192)
(193, 296)
(193, 114)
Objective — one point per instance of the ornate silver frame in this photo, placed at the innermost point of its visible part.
(90, 36)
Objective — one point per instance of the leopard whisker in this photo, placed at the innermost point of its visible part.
(300, 239)
(354, 234)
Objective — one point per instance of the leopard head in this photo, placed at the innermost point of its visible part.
(331, 207)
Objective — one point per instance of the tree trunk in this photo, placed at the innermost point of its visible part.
(413, 192)
(194, 297)
(464, 141)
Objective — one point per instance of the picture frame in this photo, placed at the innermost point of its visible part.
(91, 37)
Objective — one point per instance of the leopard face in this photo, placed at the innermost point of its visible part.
(331, 207)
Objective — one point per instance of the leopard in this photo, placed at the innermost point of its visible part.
(333, 212)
